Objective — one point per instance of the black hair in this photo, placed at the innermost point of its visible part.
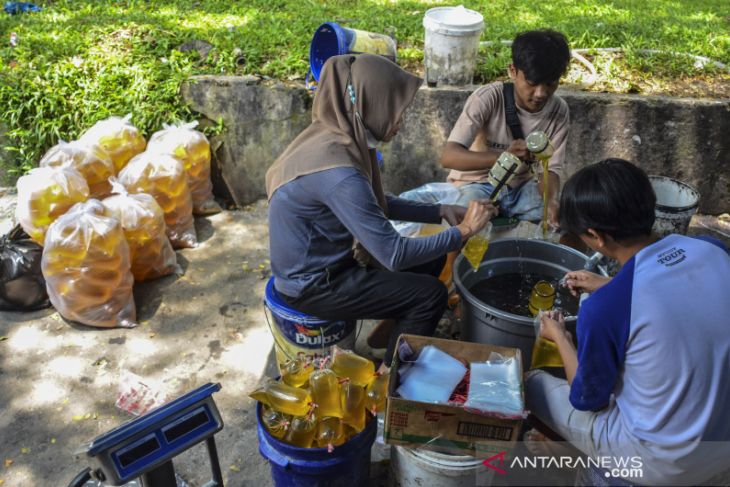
(612, 196)
(542, 55)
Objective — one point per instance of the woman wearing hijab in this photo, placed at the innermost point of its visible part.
(325, 195)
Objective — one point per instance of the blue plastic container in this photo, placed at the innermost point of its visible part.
(331, 39)
(347, 466)
(296, 333)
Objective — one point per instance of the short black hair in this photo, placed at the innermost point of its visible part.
(612, 196)
(542, 55)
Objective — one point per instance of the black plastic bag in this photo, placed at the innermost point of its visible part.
(22, 286)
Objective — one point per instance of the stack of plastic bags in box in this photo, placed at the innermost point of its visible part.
(492, 386)
(95, 236)
(323, 407)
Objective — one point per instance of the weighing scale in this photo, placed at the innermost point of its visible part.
(143, 448)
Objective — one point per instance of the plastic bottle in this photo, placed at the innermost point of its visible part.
(276, 423)
(296, 372)
(352, 400)
(118, 137)
(347, 364)
(283, 398)
(376, 393)
(502, 172)
(326, 393)
(542, 297)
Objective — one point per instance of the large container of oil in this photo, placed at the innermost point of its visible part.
(494, 298)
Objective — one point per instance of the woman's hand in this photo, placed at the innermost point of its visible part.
(477, 216)
(552, 326)
(453, 214)
(584, 282)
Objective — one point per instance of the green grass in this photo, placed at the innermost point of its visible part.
(81, 61)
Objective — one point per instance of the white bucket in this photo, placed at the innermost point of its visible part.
(418, 467)
(452, 41)
(676, 202)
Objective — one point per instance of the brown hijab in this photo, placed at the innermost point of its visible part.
(336, 137)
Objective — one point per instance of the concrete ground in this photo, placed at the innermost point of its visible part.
(59, 380)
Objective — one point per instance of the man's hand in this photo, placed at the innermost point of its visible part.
(552, 326)
(477, 216)
(518, 147)
(453, 214)
(584, 282)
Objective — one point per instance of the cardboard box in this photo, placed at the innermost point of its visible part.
(448, 428)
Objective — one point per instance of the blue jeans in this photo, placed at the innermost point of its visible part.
(523, 202)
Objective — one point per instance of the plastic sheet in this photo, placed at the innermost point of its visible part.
(494, 386)
(86, 267)
(192, 148)
(144, 227)
(46, 193)
(432, 377)
(435, 193)
(22, 287)
(163, 177)
(118, 137)
(91, 161)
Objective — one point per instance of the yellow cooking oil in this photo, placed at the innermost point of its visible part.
(475, 249)
(283, 398)
(347, 364)
(325, 389)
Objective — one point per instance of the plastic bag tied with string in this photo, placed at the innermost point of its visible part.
(118, 137)
(143, 222)
(91, 161)
(46, 193)
(22, 287)
(192, 148)
(163, 177)
(86, 267)
(494, 386)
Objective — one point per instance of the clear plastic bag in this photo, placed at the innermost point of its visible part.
(192, 148)
(143, 222)
(435, 193)
(46, 193)
(118, 137)
(22, 287)
(91, 161)
(494, 386)
(86, 267)
(163, 177)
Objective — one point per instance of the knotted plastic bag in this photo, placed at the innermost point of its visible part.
(91, 161)
(163, 177)
(143, 222)
(118, 137)
(86, 266)
(192, 148)
(46, 193)
(22, 287)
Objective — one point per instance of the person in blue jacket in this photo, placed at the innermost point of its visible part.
(326, 197)
(650, 378)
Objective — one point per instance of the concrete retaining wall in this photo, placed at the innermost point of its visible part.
(685, 139)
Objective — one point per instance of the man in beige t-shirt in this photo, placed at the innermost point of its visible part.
(481, 134)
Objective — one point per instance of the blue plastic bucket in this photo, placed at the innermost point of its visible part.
(331, 39)
(298, 334)
(347, 466)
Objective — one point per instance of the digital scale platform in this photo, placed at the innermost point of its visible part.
(144, 447)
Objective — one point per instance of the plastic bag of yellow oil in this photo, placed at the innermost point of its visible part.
(163, 177)
(118, 137)
(46, 193)
(86, 266)
(91, 161)
(192, 148)
(143, 222)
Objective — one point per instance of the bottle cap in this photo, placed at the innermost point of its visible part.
(537, 141)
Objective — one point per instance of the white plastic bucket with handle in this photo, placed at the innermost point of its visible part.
(676, 202)
(412, 467)
(451, 44)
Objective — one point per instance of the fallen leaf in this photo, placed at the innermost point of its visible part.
(2, 481)
(25, 450)
(3, 338)
(53, 441)
(8, 462)
(152, 335)
(235, 468)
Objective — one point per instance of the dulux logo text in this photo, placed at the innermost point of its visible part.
(306, 337)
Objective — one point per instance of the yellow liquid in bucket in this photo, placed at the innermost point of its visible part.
(475, 249)
(545, 354)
